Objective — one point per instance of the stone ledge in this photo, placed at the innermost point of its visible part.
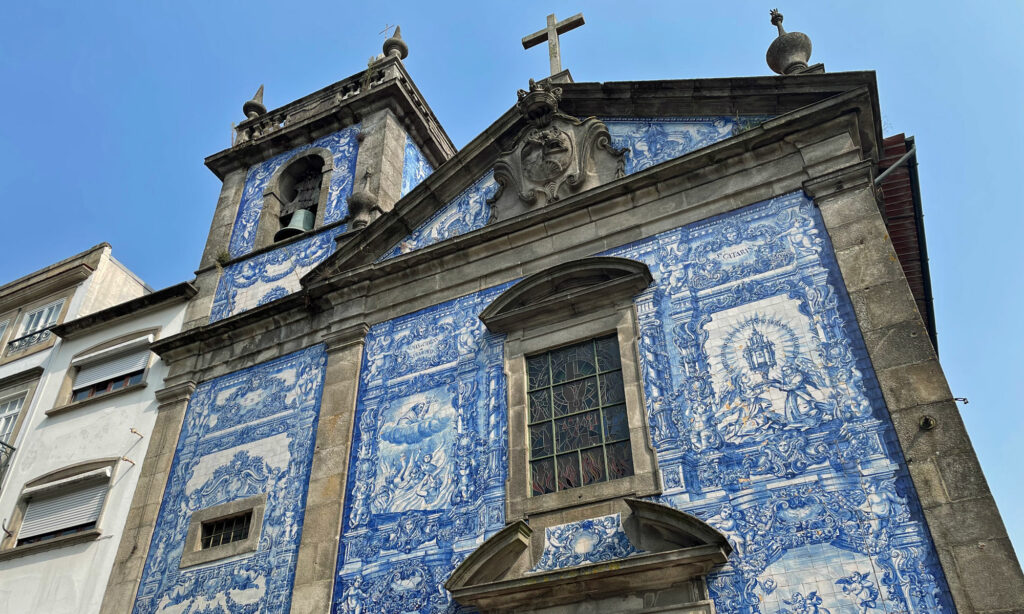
(69, 407)
(49, 544)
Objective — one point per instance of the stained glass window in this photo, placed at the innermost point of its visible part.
(579, 433)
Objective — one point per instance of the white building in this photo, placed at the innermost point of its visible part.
(77, 386)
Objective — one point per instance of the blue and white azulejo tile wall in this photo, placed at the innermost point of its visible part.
(244, 434)
(649, 141)
(654, 140)
(768, 421)
(427, 474)
(763, 409)
(272, 275)
(415, 167)
(466, 212)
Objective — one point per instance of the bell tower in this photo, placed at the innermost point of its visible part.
(300, 178)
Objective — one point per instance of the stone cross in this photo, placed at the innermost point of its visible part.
(550, 34)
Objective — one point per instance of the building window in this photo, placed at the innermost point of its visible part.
(577, 424)
(107, 386)
(9, 410)
(118, 367)
(63, 513)
(15, 397)
(61, 505)
(35, 326)
(225, 530)
(579, 431)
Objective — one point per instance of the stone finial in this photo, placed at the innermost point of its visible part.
(396, 46)
(790, 51)
(254, 108)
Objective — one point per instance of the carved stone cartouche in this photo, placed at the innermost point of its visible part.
(554, 156)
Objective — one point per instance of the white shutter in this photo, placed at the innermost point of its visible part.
(63, 510)
(109, 369)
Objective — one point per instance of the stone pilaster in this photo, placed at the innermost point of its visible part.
(216, 250)
(975, 552)
(321, 530)
(382, 155)
(149, 492)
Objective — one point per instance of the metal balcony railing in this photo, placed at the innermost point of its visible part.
(26, 341)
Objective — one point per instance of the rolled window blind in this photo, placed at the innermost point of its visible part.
(70, 508)
(109, 369)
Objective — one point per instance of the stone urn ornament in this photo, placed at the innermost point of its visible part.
(789, 52)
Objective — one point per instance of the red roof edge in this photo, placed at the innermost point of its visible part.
(901, 198)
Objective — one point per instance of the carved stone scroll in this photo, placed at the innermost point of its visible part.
(554, 157)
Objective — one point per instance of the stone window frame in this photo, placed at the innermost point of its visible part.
(70, 476)
(564, 305)
(194, 554)
(269, 222)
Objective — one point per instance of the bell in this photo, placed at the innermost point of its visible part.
(302, 221)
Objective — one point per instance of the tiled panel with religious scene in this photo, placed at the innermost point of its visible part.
(763, 409)
(245, 434)
(343, 145)
(768, 421)
(427, 474)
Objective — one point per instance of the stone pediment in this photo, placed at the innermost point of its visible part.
(578, 284)
(553, 157)
(789, 102)
(653, 548)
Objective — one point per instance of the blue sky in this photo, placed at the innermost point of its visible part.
(109, 109)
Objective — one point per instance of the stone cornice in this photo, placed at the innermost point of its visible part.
(177, 293)
(853, 177)
(178, 393)
(346, 337)
(331, 109)
(23, 376)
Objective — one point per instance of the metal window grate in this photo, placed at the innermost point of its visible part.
(226, 530)
(579, 431)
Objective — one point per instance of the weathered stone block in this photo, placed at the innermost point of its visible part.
(911, 385)
(900, 344)
(991, 575)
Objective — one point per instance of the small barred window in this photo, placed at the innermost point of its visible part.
(579, 432)
(225, 530)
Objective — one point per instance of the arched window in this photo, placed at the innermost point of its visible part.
(577, 425)
(295, 199)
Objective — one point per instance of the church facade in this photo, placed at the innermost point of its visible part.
(638, 347)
